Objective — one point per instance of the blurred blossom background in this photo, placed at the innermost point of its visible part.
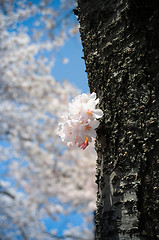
(47, 191)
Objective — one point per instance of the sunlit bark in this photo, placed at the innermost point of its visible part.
(121, 51)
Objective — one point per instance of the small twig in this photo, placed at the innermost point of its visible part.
(66, 236)
(7, 193)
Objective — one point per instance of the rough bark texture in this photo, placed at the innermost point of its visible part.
(121, 51)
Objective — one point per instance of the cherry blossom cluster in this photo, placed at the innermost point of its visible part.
(42, 177)
(79, 124)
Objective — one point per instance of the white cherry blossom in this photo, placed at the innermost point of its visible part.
(79, 124)
(39, 178)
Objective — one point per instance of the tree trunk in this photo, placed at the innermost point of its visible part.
(121, 51)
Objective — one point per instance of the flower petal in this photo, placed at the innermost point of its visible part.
(93, 96)
(98, 113)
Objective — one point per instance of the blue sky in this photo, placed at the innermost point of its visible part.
(74, 70)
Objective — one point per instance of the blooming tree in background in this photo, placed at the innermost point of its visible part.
(41, 179)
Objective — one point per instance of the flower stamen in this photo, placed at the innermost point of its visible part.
(89, 112)
(88, 127)
(84, 144)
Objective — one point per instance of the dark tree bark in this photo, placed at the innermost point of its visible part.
(121, 51)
